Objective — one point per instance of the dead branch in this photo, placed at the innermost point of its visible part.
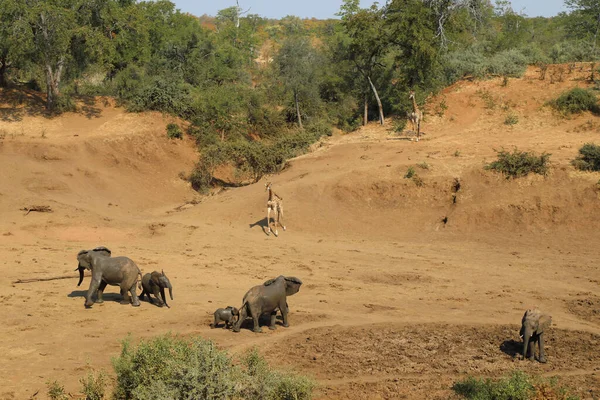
(37, 209)
(52, 278)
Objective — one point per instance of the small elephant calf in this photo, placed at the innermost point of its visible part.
(226, 315)
(533, 326)
(156, 283)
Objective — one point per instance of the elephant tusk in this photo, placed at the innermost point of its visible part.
(521, 336)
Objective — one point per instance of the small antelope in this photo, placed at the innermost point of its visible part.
(275, 204)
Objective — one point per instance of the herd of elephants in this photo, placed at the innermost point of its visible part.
(265, 299)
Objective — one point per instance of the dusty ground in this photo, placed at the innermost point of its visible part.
(396, 303)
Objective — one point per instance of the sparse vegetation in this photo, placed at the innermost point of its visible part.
(488, 99)
(410, 172)
(174, 131)
(94, 386)
(589, 158)
(517, 386)
(456, 153)
(511, 119)
(56, 391)
(423, 165)
(175, 368)
(520, 163)
(576, 101)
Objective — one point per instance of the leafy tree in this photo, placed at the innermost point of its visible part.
(15, 37)
(585, 20)
(297, 65)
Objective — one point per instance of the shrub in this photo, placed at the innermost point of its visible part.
(93, 386)
(509, 63)
(169, 367)
(520, 163)
(410, 172)
(56, 391)
(589, 158)
(575, 101)
(174, 131)
(515, 387)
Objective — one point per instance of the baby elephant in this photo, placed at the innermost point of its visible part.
(226, 315)
(156, 283)
(533, 326)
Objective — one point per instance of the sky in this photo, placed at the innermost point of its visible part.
(322, 9)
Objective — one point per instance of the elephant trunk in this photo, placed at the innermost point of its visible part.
(162, 293)
(527, 333)
(80, 269)
(171, 291)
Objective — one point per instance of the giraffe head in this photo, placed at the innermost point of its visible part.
(268, 186)
(411, 95)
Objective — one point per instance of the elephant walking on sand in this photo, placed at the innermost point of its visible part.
(156, 283)
(106, 270)
(267, 299)
(533, 326)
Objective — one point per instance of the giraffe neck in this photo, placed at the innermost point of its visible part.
(270, 195)
(415, 108)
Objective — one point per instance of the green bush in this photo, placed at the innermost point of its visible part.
(507, 63)
(253, 158)
(511, 119)
(94, 386)
(56, 391)
(520, 163)
(169, 367)
(518, 386)
(174, 131)
(410, 172)
(575, 101)
(589, 158)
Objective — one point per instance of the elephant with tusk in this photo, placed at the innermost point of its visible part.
(533, 326)
(107, 270)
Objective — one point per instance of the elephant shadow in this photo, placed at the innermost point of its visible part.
(106, 296)
(263, 321)
(512, 347)
(262, 223)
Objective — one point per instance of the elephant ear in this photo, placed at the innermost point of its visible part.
(293, 279)
(544, 323)
(102, 249)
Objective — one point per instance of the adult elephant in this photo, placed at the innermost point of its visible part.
(267, 299)
(106, 270)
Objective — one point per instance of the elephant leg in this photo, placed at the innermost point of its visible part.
(542, 358)
(101, 288)
(214, 324)
(255, 313)
(156, 292)
(284, 312)
(94, 284)
(272, 326)
(531, 349)
(135, 301)
(242, 317)
(125, 295)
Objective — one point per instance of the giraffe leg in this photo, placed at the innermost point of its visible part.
(280, 218)
(275, 221)
(418, 129)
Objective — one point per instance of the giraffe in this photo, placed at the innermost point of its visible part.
(416, 116)
(275, 204)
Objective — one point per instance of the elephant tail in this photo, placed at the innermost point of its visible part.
(139, 284)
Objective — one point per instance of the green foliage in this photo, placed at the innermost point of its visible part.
(170, 367)
(589, 158)
(94, 386)
(423, 165)
(56, 391)
(576, 101)
(252, 158)
(509, 63)
(520, 163)
(174, 131)
(517, 386)
(410, 172)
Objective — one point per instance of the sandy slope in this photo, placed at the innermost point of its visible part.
(396, 303)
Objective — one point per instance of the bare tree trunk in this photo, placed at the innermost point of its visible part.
(381, 119)
(53, 82)
(3, 80)
(298, 110)
(366, 115)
